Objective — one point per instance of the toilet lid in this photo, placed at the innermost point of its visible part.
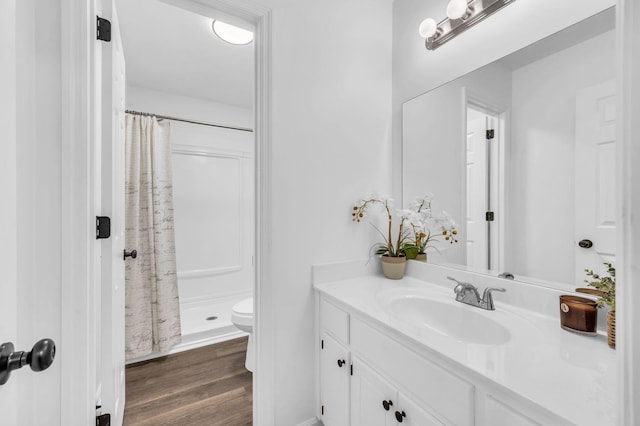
(244, 307)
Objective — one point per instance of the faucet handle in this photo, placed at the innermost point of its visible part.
(459, 286)
(487, 298)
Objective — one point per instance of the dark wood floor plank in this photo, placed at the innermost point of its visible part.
(224, 410)
(175, 401)
(163, 382)
(207, 386)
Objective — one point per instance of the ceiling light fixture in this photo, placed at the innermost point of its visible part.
(461, 15)
(231, 33)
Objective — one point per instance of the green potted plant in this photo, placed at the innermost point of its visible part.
(605, 289)
(392, 250)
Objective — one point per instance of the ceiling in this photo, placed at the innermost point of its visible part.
(173, 50)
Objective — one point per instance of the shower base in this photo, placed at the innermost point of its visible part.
(198, 327)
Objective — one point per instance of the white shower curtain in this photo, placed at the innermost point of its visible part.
(152, 311)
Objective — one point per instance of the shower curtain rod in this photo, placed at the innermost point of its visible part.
(167, 117)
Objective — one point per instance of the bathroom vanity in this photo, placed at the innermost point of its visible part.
(404, 351)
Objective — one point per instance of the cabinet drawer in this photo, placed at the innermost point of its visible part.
(432, 386)
(503, 408)
(499, 414)
(335, 321)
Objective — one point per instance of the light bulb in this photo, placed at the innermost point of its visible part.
(456, 9)
(428, 28)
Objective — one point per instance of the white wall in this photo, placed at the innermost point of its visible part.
(331, 144)
(153, 101)
(542, 147)
(214, 254)
(416, 70)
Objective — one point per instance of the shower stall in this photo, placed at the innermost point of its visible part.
(213, 203)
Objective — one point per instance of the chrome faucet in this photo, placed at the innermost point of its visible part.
(468, 293)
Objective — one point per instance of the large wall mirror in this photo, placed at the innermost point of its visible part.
(521, 154)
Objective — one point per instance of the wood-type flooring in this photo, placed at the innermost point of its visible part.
(208, 386)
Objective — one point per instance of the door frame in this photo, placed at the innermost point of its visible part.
(628, 196)
(499, 154)
(80, 158)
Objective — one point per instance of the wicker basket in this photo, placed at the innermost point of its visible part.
(611, 328)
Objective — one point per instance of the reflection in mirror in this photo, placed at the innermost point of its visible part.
(521, 153)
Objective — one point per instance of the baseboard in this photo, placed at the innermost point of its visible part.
(311, 422)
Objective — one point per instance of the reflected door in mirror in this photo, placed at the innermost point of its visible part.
(595, 208)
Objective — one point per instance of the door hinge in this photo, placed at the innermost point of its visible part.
(103, 227)
(103, 420)
(351, 368)
(322, 344)
(489, 216)
(322, 410)
(490, 134)
(103, 29)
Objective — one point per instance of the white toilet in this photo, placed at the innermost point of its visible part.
(242, 317)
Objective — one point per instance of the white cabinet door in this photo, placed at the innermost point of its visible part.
(334, 382)
(373, 399)
(414, 415)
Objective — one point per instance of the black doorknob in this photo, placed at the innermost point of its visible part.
(387, 404)
(39, 358)
(133, 254)
(341, 362)
(400, 416)
(585, 243)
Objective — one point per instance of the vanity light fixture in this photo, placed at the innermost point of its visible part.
(461, 15)
(231, 33)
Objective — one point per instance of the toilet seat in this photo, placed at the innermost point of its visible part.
(242, 315)
(244, 307)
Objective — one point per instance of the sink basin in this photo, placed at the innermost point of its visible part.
(456, 320)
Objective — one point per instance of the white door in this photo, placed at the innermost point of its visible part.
(414, 415)
(373, 400)
(111, 379)
(334, 382)
(477, 171)
(8, 224)
(595, 176)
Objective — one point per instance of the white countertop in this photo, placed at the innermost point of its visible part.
(571, 375)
